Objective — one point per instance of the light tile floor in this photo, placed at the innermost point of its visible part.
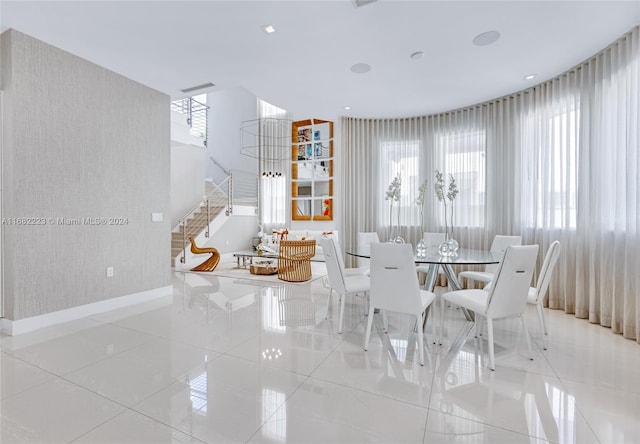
(232, 360)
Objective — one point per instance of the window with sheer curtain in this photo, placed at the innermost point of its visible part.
(399, 157)
(463, 156)
(274, 132)
(552, 167)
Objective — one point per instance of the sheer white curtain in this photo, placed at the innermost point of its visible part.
(274, 139)
(558, 161)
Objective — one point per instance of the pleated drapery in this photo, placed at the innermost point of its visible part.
(559, 161)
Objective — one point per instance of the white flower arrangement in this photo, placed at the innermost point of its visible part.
(393, 195)
(422, 192)
(451, 194)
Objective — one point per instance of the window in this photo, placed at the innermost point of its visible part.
(399, 157)
(552, 167)
(462, 155)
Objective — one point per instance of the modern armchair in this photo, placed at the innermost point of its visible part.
(499, 245)
(506, 297)
(536, 294)
(212, 261)
(395, 287)
(339, 281)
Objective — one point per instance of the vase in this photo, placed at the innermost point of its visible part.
(421, 249)
(454, 246)
(449, 247)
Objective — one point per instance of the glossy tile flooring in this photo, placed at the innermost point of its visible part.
(232, 360)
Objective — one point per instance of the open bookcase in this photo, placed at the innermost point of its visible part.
(312, 170)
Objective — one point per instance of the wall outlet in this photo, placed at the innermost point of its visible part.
(157, 217)
(109, 272)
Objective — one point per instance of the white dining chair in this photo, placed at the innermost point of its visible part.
(395, 288)
(499, 245)
(506, 297)
(365, 239)
(537, 293)
(432, 240)
(339, 281)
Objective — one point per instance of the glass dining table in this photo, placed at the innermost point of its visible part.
(464, 256)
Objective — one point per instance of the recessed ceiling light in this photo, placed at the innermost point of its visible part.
(269, 29)
(347, 107)
(486, 38)
(417, 55)
(529, 77)
(360, 68)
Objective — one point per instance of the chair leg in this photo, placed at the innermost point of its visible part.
(342, 298)
(441, 322)
(526, 336)
(385, 321)
(433, 319)
(543, 325)
(326, 316)
(420, 339)
(492, 364)
(367, 335)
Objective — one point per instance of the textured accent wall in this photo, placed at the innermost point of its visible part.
(86, 162)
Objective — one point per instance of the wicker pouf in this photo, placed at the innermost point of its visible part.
(263, 267)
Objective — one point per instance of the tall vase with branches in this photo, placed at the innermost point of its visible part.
(450, 246)
(393, 195)
(421, 247)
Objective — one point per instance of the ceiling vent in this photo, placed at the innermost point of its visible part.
(196, 88)
(358, 3)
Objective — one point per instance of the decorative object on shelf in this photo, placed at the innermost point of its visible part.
(421, 246)
(211, 263)
(450, 246)
(393, 195)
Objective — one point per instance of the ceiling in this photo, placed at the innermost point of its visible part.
(304, 66)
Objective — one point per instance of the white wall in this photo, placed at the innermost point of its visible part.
(187, 179)
(80, 142)
(229, 108)
(235, 234)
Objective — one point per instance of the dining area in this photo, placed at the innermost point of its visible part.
(389, 280)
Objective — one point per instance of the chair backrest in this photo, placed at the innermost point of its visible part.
(365, 239)
(394, 282)
(433, 239)
(510, 288)
(335, 264)
(499, 245)
(549, 263)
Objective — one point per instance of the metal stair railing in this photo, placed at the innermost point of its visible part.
(216, 198)
(240, 188)
(244, 188)
(196, 113)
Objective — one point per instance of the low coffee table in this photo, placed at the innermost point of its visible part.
(248, 257)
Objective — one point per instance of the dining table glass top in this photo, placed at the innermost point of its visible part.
(464, 256)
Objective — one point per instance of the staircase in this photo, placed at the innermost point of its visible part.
(198, 221)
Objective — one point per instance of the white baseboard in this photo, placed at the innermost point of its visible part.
(14, 328)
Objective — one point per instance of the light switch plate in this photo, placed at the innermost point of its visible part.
(157, 217)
